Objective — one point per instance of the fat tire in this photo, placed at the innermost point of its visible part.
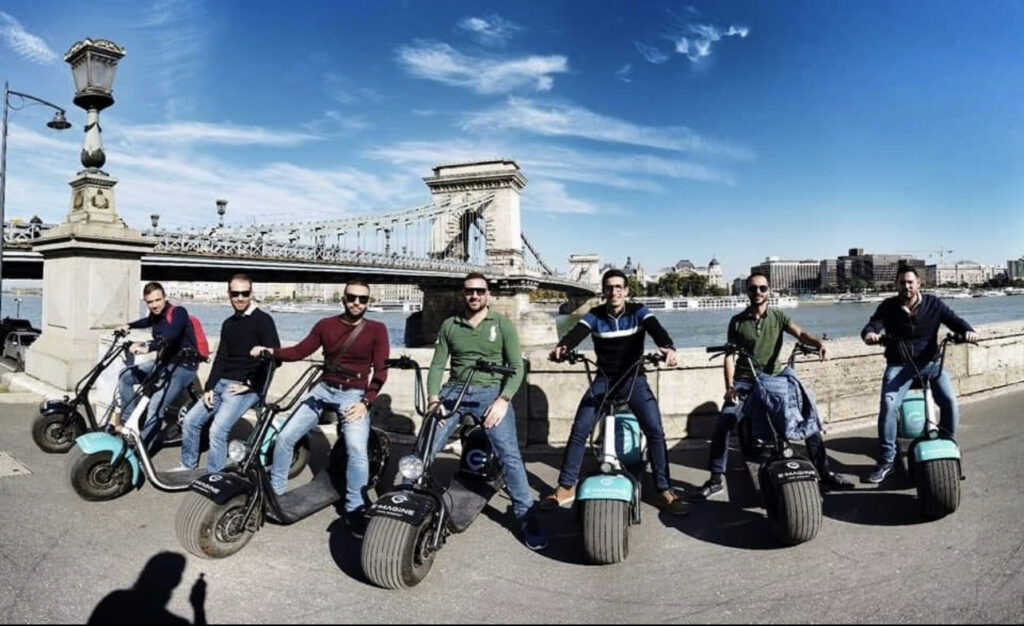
(390, 554)
(197, 521)
(938, 487)
(46, 430)
(796, 516)
(85, 470)
(605, 530)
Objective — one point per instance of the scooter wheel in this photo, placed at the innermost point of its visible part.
(605, 530)
(210, 530)
(53, 434)
(93, 478)
(395, 554)
(938, 487)
(796, 514)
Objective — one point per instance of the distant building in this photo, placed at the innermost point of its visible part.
(962, 273)
(712, 272)
(633, 272)
(1015, 269)
(739, 285)
(828, 274)
(876, 269)
(786, 275)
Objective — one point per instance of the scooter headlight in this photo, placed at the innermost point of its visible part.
(933, 434)
(788, 453)
(237, 450)
(410, 467)
(606, 468)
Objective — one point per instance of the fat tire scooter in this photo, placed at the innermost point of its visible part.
(409, 524)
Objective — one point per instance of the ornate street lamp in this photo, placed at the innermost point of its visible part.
(154, 219)
(222, 208)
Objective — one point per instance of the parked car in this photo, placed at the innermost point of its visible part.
(14, 323)
(17, 342)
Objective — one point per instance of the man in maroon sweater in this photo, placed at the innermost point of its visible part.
(352, 347)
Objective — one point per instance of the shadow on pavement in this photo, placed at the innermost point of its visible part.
(345, 550)
(726, 524)
(874, 508)
(146, 601)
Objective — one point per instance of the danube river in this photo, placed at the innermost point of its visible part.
(687, 328)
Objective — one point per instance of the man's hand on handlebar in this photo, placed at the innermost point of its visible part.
(558, 353)
(971, 337)
(495, 413)
(140, 347)
(822, 353)
(872, 339)
(258, 351)
(670, 356)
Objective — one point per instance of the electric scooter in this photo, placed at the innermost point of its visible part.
(608, 500)
(62, 420)
(409, 524)
(787, 482)
(222, 511)
(933, 459)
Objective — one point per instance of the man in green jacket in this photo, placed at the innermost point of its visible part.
(480, 333)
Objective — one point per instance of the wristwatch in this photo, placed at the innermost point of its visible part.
(366, 403)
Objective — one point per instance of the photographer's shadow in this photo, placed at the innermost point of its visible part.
(146, 601)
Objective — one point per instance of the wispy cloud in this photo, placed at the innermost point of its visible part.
(624, 73)
(440, 62)
(493, 30)
(341, 89)
(176, 40)
(25, 44)
(336, 124)
(548, 196)
(568, 120)
(223, 134)
(652, 54)
(697, 39)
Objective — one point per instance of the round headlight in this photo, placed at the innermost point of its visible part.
(606, 468)
(788, 453)
(410, 467)
(237, 450)
(933, 434)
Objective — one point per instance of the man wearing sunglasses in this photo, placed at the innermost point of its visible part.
(480, 333)
(618, 329)
(231, 389)
(354, 350)
(758, 330)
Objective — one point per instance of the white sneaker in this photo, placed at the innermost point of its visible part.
(180, 468)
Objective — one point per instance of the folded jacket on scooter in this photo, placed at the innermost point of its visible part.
(785, 401)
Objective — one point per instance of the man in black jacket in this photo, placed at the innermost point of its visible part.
(231, 389)
(911, 319)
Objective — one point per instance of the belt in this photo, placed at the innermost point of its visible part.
(340, 386)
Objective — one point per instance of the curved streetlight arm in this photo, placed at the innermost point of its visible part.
(11, 92)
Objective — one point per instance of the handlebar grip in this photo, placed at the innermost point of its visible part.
(723, 348)
(484, 366)
(806, 349)
(403, 363)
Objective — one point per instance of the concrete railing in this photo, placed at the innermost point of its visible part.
(846, 387)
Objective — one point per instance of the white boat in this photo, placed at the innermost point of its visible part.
(710, 303)
(395, 306)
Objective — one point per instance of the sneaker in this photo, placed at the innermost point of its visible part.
(668, 502)
(356, 521)
(881, 471)
(532, 533)
(180, 468)
(561, 497)
(707, 490)
(836, 482)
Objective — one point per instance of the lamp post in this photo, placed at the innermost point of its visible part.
(222, 208)
(154, 219)
(17, 311)
(58, 123)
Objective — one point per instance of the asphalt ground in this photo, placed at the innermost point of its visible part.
(875, 559)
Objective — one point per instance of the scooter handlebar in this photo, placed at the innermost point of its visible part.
(404, 362)
(491, 368)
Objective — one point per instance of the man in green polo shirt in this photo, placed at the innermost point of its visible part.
(758, 330)
(480, 333)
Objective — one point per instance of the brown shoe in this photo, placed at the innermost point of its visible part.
(560, 497)
(668, 502)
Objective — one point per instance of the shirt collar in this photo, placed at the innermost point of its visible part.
(462, 319)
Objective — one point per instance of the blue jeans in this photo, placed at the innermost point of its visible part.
(644, 406)
(895, 383)
(732, 414)
(227, 408)
(503, 437)
(174, 379)
(357, 438)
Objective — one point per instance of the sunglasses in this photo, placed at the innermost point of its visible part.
(474, 291)
(240, 294)
(351, 297)
(611, 288)
(756, 288)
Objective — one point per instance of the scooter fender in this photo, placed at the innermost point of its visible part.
(606, 487)
(935, 449)
(221, 487)
(783, 471)
(408, 506)
(56, 406)
(91, 443)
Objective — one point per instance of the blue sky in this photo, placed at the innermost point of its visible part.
(658, 130)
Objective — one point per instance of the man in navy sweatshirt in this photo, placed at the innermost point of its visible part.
(174, 332)
(234, 382)
(911, 322)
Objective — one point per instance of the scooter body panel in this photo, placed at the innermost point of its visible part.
(606, 487)
(97, 441)
(478, 460)
(629, 439)
(776, 473)
(221, 487)
(935, 449)
(913, 415)
(411, 507)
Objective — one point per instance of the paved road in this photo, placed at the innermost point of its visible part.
(874, 560)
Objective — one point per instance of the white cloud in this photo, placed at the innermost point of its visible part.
(335, 124)
(443, 63)
(696, 43)
(573, 121)
(223, 134)
(176, 45)
(25, 44)
(624, 73)
(652, 54)
(548, 196)
(341, 89)
(490, 31)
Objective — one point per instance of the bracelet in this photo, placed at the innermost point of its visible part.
(506, 398)
(366, 403)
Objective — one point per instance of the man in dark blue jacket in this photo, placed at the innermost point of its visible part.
(175, 333)
(911, 319)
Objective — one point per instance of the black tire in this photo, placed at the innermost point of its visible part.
(92, 477)
(210, 530)
(300, 456)
(52, 435)
(394, 554)
(605, 530)
(796, 514)
(938, 487)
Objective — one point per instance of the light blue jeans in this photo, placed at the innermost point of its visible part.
(172, 382)
(227, 409)
(895, 383)
(357, 437)
(503, 437)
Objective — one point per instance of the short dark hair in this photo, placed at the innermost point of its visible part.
(358, 282)
(474, 276)
(762, 275)
(151, 287)
(613, 273)
(240, 276)
(903, 269)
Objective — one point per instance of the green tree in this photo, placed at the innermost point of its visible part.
(636, 288)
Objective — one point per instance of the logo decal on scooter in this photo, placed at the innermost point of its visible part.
(399, 499)
(215, 478)
(476, 459)
(606, 482)
(793, 465)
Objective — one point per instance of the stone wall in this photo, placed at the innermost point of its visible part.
(846, 386)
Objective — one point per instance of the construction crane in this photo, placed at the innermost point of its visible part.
(942, 252)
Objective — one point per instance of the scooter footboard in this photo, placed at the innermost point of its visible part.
(465, 498)
(221, 487)
(606, 487)
(97, 441)
(403, 504)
